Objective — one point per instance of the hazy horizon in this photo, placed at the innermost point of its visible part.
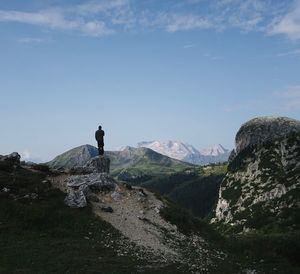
(190, 70)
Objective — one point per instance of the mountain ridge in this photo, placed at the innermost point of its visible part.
(129, 157)
(185, 152)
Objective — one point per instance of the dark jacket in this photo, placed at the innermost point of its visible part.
(99, 136)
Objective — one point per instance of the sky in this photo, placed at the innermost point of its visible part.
(188, 70)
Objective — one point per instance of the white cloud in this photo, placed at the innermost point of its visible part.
(212, 57)
(173, 22)
(103, 17)
(188, 46)
(289, 24)
(25, 155)
(246, 15)
(292, 53)
(51, 18)
(115, 12)
(29, 40)
(56, 19)
(94, 7)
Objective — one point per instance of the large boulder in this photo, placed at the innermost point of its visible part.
(98, 164)
(75, 199)
(10, 162)
(262, 129)
(81, 187)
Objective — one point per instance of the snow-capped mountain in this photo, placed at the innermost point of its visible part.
(215, 150)
(174, 149)
(186, 152)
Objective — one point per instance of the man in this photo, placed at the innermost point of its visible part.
(99, 137)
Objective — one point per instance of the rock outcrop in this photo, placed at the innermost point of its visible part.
(99, 164)
(82, 187)
(10, 161)
(262, 186)
(262, 129)
(94, 178)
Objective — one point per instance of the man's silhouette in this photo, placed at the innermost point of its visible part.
(99, 137)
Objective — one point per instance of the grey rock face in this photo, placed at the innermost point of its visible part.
(82, 187)
(263, 178)
(11, 160)
(99, 164)
(75, 199)
(231, 156)
(262, 129)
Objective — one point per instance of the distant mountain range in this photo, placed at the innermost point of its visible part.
(188, 153)
(167, 153)
(129, 157)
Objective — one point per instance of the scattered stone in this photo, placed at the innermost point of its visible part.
(107, 209)
(156, 209)
(75, 199)
(142, 192)
(127, 186)
(116, 196)
(5, 189)
(143, 218)
(34, 196)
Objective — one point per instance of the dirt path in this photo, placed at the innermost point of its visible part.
(137, 216)
(135, 213)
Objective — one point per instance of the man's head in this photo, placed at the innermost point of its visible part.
(99, 127)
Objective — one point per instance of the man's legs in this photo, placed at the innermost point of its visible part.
(100, 148)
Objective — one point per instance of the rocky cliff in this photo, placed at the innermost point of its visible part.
(262, 129)
(261, 189)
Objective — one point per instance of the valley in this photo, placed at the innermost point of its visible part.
(156, 214)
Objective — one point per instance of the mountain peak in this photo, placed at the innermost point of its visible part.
(185, 152)
(174, 149)
(215, 150)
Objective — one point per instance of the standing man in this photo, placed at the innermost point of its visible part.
(99, 135)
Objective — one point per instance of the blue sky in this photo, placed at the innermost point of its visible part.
(190, 70)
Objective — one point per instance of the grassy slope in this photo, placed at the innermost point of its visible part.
(198, 192)
(274, 253)
(275, 235)
(144, 162)
(195, 188)
(70, 158)
(45, 236)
